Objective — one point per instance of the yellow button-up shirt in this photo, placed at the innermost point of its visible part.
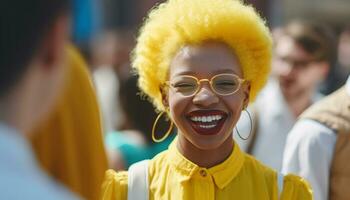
(172, 176)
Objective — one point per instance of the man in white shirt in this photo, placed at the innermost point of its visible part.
(310, 151)
(302, 58)
(33, 34)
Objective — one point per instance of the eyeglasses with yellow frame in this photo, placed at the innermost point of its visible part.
(221, 84)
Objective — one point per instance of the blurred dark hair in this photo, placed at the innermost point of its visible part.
(139, 112)
(23, 26)
(316, 38)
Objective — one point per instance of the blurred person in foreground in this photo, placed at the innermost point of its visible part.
(134, 143)
(303, 55)
(69, 144)
(318, 146)
(33, 35)
(201, 62)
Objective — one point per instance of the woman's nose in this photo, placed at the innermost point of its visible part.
(205, 97)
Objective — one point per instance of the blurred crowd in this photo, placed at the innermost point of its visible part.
(100, 118)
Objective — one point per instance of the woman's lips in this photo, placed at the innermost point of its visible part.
(207, 122)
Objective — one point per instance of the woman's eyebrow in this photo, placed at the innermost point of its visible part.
(193, 73)
(220, 71)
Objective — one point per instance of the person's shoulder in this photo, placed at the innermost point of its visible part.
(260, 174)
(309, 130)
(255, 167)
(295, 187)
(251, 161)
(115, 185)
(296, 181)
(120, 177)
(159, 162)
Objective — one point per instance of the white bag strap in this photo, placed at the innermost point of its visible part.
(138, 181)
(280, 179)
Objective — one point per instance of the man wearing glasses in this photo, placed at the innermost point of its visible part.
(303, 54)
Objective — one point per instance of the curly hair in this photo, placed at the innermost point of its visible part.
(176, 23)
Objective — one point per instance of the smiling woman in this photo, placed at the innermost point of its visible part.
(202, 62)
(223, 98)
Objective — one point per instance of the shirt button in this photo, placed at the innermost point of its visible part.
(203, 173)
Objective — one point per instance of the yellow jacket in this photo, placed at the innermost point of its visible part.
(172, 176)
(69, 144)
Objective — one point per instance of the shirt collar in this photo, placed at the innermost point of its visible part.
(222, 173)
(348, 85)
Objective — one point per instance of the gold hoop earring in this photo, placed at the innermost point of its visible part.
(154, 128)
(251, 126)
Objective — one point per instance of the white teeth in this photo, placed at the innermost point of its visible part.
(207, 126)
(209, 119)
(206, 118)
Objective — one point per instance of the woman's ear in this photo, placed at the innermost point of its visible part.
(165, 99)
(246, 92)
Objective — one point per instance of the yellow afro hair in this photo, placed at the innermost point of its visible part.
(176, 23)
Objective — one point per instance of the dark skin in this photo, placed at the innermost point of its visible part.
(203, 62)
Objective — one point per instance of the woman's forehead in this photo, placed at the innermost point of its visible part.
(209, 57)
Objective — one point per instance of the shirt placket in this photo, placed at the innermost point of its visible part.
(206, 185)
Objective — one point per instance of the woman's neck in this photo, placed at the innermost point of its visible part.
(206, 158)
